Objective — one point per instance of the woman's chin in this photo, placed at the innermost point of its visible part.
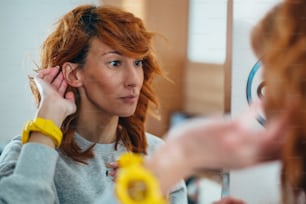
(126, 114)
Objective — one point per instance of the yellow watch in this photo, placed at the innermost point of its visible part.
(44, 126)
(135, 184)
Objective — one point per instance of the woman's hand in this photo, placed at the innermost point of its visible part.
(55, 103)
(114, 168)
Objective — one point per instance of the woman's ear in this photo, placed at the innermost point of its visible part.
(71, 74)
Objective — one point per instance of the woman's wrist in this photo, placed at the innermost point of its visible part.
(42, 130)
(54, 114)
(38, 137)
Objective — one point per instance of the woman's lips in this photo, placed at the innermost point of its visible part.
(129, 99)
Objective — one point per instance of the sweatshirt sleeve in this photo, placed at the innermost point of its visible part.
(27, 173)
(178, 194)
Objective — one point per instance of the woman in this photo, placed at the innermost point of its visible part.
(100, 66)
(280, 41)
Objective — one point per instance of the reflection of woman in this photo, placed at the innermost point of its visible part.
(98, 92)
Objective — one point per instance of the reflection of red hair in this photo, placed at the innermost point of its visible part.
(121, 31)
(280, 41)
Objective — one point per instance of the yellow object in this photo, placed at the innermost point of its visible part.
(44, 126)
(135, 184)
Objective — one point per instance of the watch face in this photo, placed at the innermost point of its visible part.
(255, 89)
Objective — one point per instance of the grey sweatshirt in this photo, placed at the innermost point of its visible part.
(35, 173)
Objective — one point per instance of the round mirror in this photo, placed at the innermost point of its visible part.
(255, 89)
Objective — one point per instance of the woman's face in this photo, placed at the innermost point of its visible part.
(111, 82)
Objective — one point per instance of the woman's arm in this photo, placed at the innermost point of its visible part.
(55, 104)
(25, 175)
(27, 170)
(219, 143)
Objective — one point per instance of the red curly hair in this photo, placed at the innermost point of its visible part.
(279, 40)
(120, 30)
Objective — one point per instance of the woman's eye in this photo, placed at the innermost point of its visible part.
(115, 63)
(139, 63)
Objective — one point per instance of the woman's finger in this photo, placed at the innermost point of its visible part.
(43, 72)
(62, 88)
(57, 82)
(51, 75)
(112, 173)
(113, 165)
(70, 96)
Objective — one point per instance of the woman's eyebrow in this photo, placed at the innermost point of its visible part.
(111, 52)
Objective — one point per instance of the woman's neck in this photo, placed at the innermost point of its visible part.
(97, 128)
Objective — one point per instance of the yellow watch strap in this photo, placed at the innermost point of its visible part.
(135, 184)
(44, 126)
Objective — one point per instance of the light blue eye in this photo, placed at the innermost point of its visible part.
(115, 63)
(139, 63)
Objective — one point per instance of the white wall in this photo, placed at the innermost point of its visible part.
(261, 184)
(24, 25)
(207, 31)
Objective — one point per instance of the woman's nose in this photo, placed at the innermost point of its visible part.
(134, 75)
